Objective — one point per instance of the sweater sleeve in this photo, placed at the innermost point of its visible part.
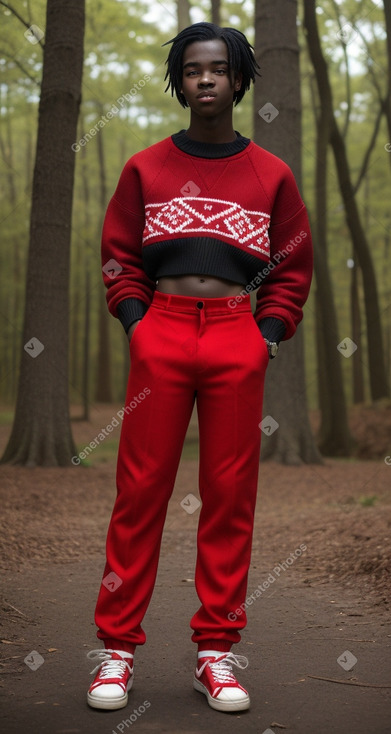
(129, 289)
(286, 284)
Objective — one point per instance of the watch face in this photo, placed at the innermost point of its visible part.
(272, 347)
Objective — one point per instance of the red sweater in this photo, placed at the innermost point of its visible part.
(239, 217)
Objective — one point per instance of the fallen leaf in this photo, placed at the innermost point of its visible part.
(280, 726)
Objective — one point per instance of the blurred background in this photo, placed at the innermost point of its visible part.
(333, 126)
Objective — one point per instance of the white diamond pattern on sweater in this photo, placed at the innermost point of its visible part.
(200, 216)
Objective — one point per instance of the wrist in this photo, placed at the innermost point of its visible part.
(272, 348)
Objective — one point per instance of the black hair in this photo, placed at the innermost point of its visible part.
(240, 56)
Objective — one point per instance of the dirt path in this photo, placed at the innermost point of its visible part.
(327, 602)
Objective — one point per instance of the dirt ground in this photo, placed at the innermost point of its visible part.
(55, 520)
(341, 509)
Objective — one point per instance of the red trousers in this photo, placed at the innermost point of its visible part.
(187, 349)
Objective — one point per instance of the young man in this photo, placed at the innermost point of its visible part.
(196, 222)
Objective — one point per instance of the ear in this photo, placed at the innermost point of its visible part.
(238, 81)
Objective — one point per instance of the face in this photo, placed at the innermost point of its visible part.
(207, 83)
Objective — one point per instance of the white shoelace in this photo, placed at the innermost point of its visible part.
(222, 670)
(110, 668)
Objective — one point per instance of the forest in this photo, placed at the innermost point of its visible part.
(81, 91)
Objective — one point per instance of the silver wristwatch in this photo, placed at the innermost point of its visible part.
(272, 348)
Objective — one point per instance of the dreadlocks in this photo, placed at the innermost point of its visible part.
(240, 56)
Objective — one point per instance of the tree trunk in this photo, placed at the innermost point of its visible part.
(85, 370)
(387, 290)
(355, 315)
(183, 12)
(10, 296)
(41, 433)
(377, 372)
(103, 392)
(387, 105)
(215, 7)
(334, 435)
(86, 347)
(277, 52)
(74, 331)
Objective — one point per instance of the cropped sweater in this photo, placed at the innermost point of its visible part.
(229, 210)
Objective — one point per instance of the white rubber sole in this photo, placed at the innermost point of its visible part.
(214, 703)
(109, 704)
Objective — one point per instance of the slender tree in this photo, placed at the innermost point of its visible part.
(103, 391)
(215, 8)
(41, 433)
(334, 435)
(277, 52)
(355, 318)
(377, 371)
(183, 13)
(387, 101)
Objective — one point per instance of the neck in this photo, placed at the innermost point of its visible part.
(213, 130)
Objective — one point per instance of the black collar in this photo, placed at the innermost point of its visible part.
(209, 150)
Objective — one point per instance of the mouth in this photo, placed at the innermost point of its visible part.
(206, 96)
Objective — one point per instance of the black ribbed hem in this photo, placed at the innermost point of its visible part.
(272, 329)
(201, 256)
(209, 150)
(130, 310)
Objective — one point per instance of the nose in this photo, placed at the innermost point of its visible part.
(205, 78)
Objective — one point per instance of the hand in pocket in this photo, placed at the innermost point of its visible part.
(132, 329)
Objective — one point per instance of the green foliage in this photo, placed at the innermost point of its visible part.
(124, 72)
(367, 501)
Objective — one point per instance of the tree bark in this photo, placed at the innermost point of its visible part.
(215, 7)
(103, 392)
(277, 52)
(86, 327)
(41, 433)
(334, 437)
(387, 104)
(377, 372)
(355, 315)
(183, 12)
(86, 347)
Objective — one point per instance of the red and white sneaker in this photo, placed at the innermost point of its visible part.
(113, 680)
(214, 677)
